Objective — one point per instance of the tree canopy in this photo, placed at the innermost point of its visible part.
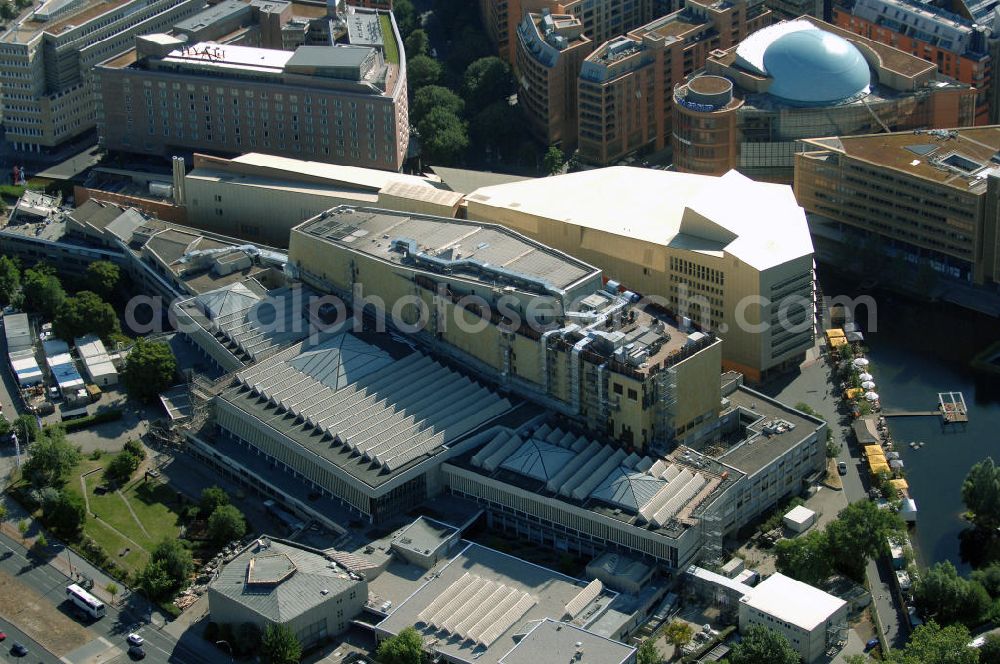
(65, 514)
(102, 277)
(485, 81)
(406, 16)
(444, 137)
(212, 498)
(422, 70)
(989, 652)
(416, 43)
(946, 597)
(154, 580)
(280, 645)
(149, 369)
(226, 524)
(933, 643)
(407, 647)
(554, 160)
(806, 558)
(760, 644)
(122, 466)
(10, 280)
(860, 533)
(42, 291)
(430, 97)
(678, 634)
(85, 313)
(176, 561)
(50, 460)
(648, 653)
(981, 494)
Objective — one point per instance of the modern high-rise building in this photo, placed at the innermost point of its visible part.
(733, 254)
(804, 79)
(626, 85)
(46, 60)
(602, 19)
(335, 103)
(930, 197)
(550, 51)
(957, 45)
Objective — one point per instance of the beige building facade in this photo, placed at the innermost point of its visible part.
(46, 61)
(698, 245)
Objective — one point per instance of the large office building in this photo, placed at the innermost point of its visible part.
(626, 86)
(340, 103)
(529, 317)
(46, 58)
(805, 79)
(929, 197)
(261, 197)
(708, 248)
(550, 51)
(957, 45)
(601, 19)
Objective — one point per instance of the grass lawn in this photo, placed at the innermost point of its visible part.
(389, 41)
(151, 501)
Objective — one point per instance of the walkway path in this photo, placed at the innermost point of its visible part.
(132, 512)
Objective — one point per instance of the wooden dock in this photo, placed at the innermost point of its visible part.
(951, 409)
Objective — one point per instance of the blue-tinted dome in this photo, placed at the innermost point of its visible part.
(814, 67)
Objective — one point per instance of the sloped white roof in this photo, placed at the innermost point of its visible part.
(759, 223)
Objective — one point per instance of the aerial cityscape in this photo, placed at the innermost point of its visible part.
(499, 331)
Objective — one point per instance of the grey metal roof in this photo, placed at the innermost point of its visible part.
(220, 12)
(424, 535)
(628, 489)
(538, 459)
(322, 57)
(279, 581)
(554, 641)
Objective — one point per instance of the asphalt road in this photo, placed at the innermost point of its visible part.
(108, 632)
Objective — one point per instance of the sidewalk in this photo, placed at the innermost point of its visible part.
(71, 565)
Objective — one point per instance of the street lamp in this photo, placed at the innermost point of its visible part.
(229, 648)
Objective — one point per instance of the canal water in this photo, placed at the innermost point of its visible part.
(918, 350)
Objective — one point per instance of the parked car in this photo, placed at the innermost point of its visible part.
(842, 467)
(19, 650)
(136, 652)
(3, 636)
(134, 639)
(872, 643)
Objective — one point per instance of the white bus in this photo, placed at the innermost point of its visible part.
(81, 598)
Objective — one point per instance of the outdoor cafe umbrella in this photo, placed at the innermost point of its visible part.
(871, 396)
(866, 376)
(861, 362)
(868, 385)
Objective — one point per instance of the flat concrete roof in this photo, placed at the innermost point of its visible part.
(793, 602)
(555, 641)
(758, 222)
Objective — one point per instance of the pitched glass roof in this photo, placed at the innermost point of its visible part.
(538, 460)
(628, 489)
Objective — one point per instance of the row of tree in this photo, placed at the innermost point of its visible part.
(860, 532)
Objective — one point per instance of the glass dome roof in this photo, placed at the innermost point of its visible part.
(814, 68)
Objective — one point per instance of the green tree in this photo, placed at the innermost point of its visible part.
(981, 494)
(989, 652)
(102, 277)
(406, 17)
(26, 427)
(498, 126)
(485, 81)
(430, 97)
(470, 44)
(280, 645)
(66, 515)
(112, 589)
(940, 645)
(3, 511)
(51, 458)
(759, 644)
(806, 558)
(648, 653)
(946, 597)
(212, 498)
(422, 70)
(7, 11)
(84, 314)
(149, 369)
(444, 137)
(175, 559)
(154, 581)
(42, 291)
(41, 543)
(407, 647)
(989, 578)
(10, 280)
(859, 533)
(121, 467)
(678, 634)
(22, 527)
(5, 426)
(416, 43)
(554, 160)
(135, 448)
(226, 524)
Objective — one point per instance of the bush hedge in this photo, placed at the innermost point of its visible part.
(100, 417)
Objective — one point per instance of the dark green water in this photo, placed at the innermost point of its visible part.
(917, 351)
